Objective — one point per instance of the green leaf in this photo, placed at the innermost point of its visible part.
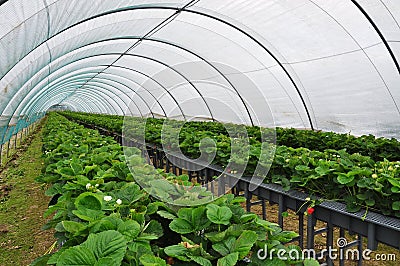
(370, 202)
(88, 200)
(78, 255)
(151, 260)
(248, 217)
(166, 215)
(107, 244)
(228, 260)
(130, 193)
(154, 228)
(105, 262)
(224, 247)
(176, 251)
(345, 178)
(73, 227)
(216, 236)
(181, 226)
(244, 243)
(219, 215)
(199, 219)
(76, 166)
(394, 182)
(396, 206)
(200, 260)
(88, 215)
(130, 229)
(66, 171)
(41, 261)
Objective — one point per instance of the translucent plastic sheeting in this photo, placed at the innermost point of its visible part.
(319, 64)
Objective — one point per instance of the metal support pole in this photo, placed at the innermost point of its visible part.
(360, 250)
(281, 209)
(1, 155)
(8, 147)
(329, 242)
(310, 232)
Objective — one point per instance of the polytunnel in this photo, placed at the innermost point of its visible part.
(199, 132)
(313, 64)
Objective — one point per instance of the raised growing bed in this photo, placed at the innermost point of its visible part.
(377, 228)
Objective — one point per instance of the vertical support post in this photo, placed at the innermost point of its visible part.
(1, 155)
(8, 147)
(372, 243)
(281, 209)
(301, 230)
(247, 194)
(360, 250)
(310, 232)
(341, 249)
(167, 165)
(264, 209)
(329, 242)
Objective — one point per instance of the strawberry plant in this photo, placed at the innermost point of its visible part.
(318, 163)
(102, 217)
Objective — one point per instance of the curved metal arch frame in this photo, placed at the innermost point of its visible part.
(74, 107)
(365, 53)
(137, 83)
(378, 31)
(85, 93)
(82, 106)
(74, 78)
(186, 50)
(151, 78)
(34, 104)
(211, 17)
(91, 56)
(107, 91)
(112, 97)
(118, 89)
(40, 93)
(123, 67)
(39, 97)
(94, 102)
(57, 88)
(241, 30)
(96, 80)
(174, 70)
(124, 85)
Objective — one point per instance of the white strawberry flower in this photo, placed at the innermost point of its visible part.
(107, 198)
(88, 186)
(119, 202)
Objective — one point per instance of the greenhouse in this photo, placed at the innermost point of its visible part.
(199, 132)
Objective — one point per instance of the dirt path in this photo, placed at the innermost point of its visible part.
(22, 204)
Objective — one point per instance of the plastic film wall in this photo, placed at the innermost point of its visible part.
(317, 64)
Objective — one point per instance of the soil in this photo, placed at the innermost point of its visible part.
(22, 204)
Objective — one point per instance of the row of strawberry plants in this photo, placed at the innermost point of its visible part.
(376, 148)
(102, 217)
(356, 180)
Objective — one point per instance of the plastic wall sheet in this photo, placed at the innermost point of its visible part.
(316, 64)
